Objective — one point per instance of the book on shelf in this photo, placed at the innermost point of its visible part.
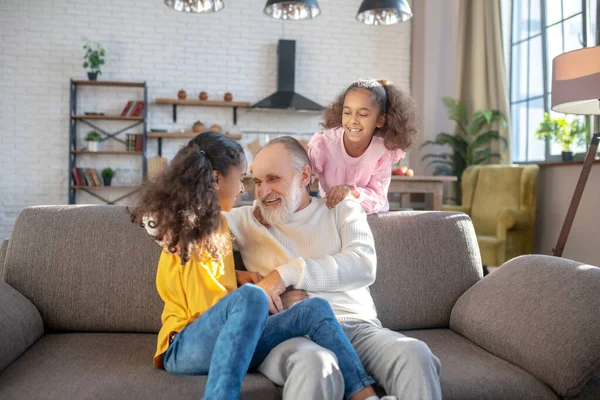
(130, 142)
(139, 142)
(127, 108)
(137, 109)
(77, 177)
(86, 177)
(135, 141)
(94, 175)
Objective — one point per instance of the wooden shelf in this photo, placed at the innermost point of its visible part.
(107, 117)
(109, 83)
(209, 103)
(105, 187)
(173, 135)
(132, 153)
(185, 135)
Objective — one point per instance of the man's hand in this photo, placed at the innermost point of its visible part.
(292, 296)
(244, 277)
(339, 193)
(259, 218)
(274, 286)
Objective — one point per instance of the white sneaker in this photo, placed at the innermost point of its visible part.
(388, 398)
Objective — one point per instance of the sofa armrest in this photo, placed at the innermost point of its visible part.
(449, 207)
(511, 218)
(20, 324)
(539, 313)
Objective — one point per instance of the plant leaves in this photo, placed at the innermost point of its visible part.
(488, 137)
(437, 156)
(484, 117)
(456, 111)
(442, 170)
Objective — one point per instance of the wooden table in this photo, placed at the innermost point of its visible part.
(405, 185)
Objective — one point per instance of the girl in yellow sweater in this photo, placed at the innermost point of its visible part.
(209, 326)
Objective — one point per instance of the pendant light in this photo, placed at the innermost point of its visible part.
(384, 12)
(196, 6)
(292, 10)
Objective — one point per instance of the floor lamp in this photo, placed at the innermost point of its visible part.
(576, 90)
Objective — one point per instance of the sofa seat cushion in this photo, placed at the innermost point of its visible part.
(469, 372)
(106, 366)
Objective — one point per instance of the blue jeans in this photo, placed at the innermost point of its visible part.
(238, 331)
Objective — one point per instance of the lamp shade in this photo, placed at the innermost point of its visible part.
(292, 10)
(196, 6)
(576, 82)
(384, 12)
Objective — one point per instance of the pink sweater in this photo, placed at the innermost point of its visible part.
(369, 174)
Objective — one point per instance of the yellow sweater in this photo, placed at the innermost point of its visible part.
(189, 290)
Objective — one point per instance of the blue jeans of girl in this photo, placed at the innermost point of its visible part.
(236, 335)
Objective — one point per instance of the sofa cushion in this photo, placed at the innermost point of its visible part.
(540, 313)
(86, 268)
(425, 261)
(469, 372)
(106, 366)
(20, 324)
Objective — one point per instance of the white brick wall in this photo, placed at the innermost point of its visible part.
(233, 50)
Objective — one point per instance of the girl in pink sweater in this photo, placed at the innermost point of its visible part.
(369, 128)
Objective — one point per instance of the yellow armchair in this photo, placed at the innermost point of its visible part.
(501, 201)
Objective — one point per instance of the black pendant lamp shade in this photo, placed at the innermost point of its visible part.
(196, 6)
(384, 12)
(292, 10)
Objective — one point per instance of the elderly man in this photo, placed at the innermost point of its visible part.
(298, 242)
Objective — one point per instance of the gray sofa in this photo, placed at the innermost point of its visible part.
(79, 311)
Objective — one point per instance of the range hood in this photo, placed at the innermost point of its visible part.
(285, 97)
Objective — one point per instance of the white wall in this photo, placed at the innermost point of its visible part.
(233, 50)
(555, 190)
(435, 30)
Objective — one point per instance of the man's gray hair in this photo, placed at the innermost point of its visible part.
(296, 150)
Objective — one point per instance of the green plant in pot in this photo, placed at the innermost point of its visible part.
(566, 133)
(107, 175)
(92, 139)
(471, 143)
(94, 58)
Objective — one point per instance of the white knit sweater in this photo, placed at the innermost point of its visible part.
(330, 253)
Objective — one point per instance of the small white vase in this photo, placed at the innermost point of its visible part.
(92, 145)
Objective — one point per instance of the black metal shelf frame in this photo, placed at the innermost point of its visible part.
(72, 192)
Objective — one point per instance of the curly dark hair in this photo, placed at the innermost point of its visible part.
(401, 122)
(181, 205)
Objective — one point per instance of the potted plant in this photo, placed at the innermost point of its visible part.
(563, 132)
(470, 144)
(92, 139)
(94, 58)
(107, 175)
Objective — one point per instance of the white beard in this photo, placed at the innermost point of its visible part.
(281, 214)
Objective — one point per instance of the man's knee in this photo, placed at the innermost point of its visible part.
(313, 360)
(416, 353)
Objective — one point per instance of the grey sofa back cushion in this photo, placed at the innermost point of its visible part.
(86, 268)
(3, 248)
(542, 314)
(425, 262)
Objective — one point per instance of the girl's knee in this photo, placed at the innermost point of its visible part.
(253, 295)
(317, 305)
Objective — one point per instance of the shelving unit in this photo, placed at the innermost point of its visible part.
(75, 151)
(198, 103)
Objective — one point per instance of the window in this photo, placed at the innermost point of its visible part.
(541, 30)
